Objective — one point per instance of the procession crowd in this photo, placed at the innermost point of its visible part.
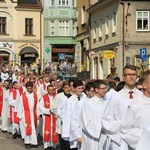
(77, 115)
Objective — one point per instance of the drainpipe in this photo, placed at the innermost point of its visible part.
(41, 37)
(123, 25)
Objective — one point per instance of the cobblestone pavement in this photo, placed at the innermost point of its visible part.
(7, 143)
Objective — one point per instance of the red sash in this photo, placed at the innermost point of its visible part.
(13, 115)
(20, 79)
(44, 86)
(55, 91)
(27, 112)
(1, 100)
(20, 90)
(50, 120)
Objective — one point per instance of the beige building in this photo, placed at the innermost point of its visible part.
(20, 31)
(83, 60)
(119, 29)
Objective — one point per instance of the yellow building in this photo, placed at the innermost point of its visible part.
(20, 31)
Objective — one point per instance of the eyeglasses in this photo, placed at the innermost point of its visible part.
(104, 88)
(92, 91)
(130, 75)
(141, 89)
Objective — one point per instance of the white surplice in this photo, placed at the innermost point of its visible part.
(114, 116)
(110, 94)
(15, 107)
(69, 108)
(28, 139)
(5, 110)
(138, 117)
(144, 143)
(75, 126)
(90, 120)
(46, 111)
(54, 109)
(44, 88)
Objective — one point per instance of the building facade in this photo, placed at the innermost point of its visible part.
(119, 29)
(60, 18)
(83, 37)
(20, 31)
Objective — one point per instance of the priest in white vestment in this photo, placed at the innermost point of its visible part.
(44, 107)
(5, 110)
(14, 98)
(116, 110)
(29, 114)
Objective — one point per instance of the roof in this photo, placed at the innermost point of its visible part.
(32, 2)
(29, 4)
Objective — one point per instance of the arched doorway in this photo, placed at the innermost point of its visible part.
(28, 55)
(4, 57)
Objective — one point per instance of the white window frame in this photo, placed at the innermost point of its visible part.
(83, 14)
(64, 27)
(114, 21)
(74, 3)
(52, 2)
(107, 25)
(63, 2)
(142, 18)
(100, 28)
(74, 28)
(52, 28)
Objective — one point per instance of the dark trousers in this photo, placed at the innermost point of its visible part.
(64, 145)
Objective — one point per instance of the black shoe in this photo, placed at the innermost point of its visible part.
(48, 148)
(27, 146)
(34, 146)
(51, 148)
(15, 136)
(19, 136)
(4, 131)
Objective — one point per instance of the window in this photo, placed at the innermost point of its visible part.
(100, 28)
(52, 28)
(106, 26)
(63, 28)
(83, 13)
(74, 3)
(114, 23)
(63, 2)
(2, 25)
(127, 60)
(74, 29)
(142, 20)
(28, 26)
(52, 2)
(94, 31)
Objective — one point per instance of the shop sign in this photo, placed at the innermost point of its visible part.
(63, 50)
(8, 45)
(29, 55)
(109, 54)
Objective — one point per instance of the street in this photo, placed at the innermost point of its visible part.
(7, 143)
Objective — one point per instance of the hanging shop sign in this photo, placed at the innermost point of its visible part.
(109, 54)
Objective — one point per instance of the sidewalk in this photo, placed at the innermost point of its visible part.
(7, 143)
